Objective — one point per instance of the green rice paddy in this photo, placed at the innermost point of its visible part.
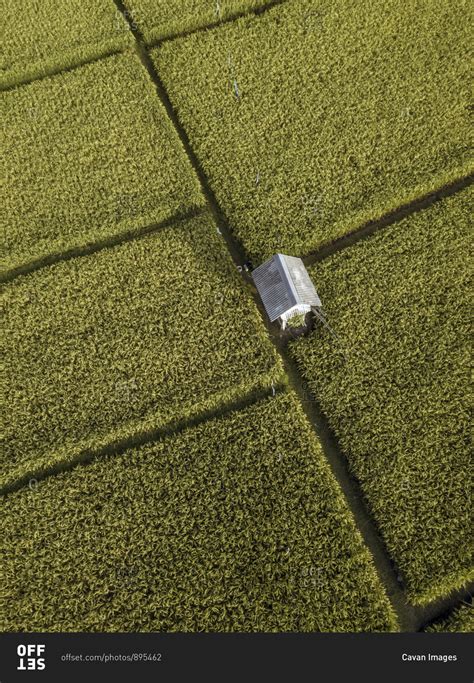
(89, 154)
(158, 19)
(39, 37)
(395, 386)
(234, 525)
(460, 621)
(317, 117)
(125, 340)
(170, 461)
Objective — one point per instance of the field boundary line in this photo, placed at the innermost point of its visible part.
(388, 219)
(235, 248)
(105, 243)
(442, 616)
(412, 618)
(440, 610)
(140, 438)
(255, 12)
(63, 68)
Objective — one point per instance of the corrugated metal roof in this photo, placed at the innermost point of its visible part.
(305, 290)
(272, 282)
(283, 282)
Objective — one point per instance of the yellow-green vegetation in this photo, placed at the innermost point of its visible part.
(128, 339)
(236, 524)
(396, 388)
(315, 117)
(296, 320)
(40, 36)
(460, 621)
(157, 19)
(90, 153)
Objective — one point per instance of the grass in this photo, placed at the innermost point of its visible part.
(126, 340)
(395, 388)
(316, 117)
(460, 621)
(234, 525)
(158, 19)
(89, 154)
(37, 36)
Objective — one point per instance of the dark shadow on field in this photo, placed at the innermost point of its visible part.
(411, 618)
(95, 246)
(388, 219)
(256, 11)
(442, 609)
(33, 478)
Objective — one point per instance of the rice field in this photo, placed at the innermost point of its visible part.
(159, 19)
(236, 524)
(316, 117)
(90, 154)
(102, 347)
(184, 464)
(39, 37)
(460, 621)
(395, 385)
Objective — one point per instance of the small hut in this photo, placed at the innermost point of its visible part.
(285, 288)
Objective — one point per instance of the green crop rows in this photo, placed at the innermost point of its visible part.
(157, 19)
(126, 339)
(236, 524)
(38, 36)
(462, 620)
(315, 117)
(157, 473)
(395, 386)
(89, 153)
